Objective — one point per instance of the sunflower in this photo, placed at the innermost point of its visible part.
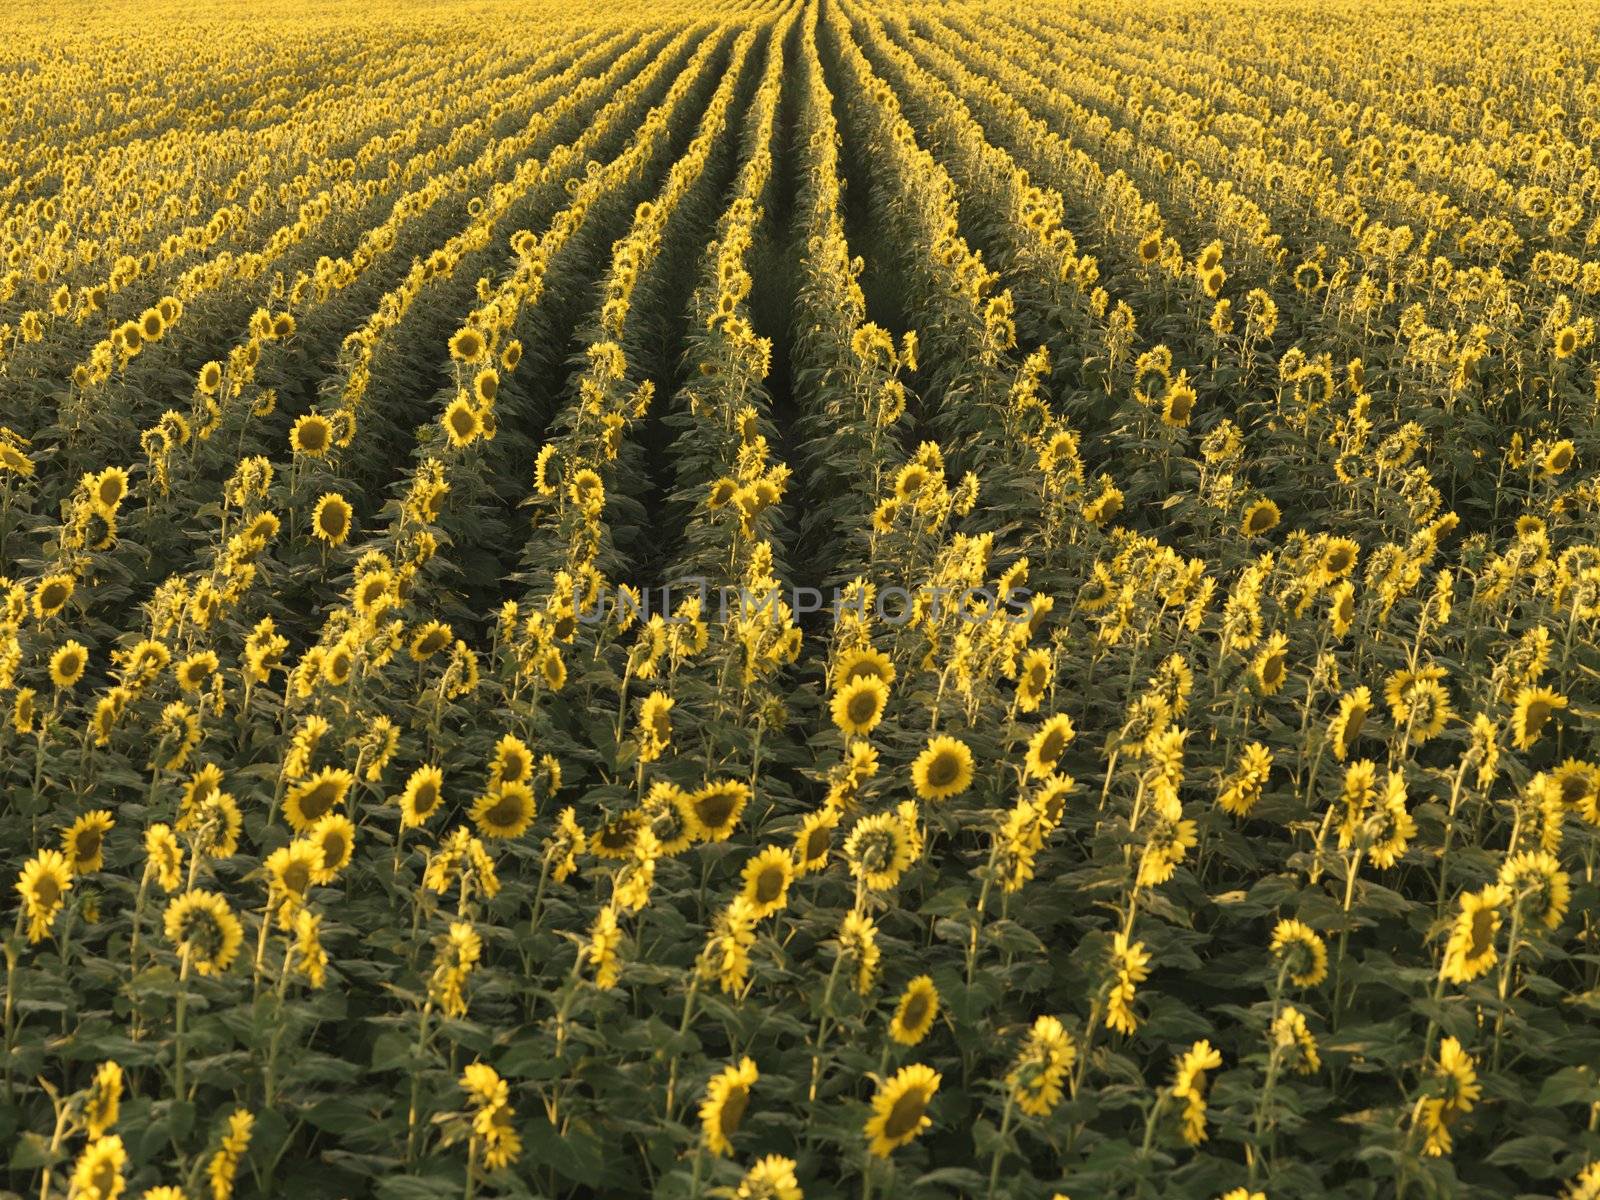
(334, 835)
(726, 1101)
(1189, 1086)
(615, 838)
(108, 489)
(511, 762)
(1579, 783)
(165, 856)
(1270, 667)
(67, 664)
(468, 345)
(504, 811)
(84, 842)
(1391, 826)
(943, 769)
(1460, 1091)
(1534, 707)
(292, 869)
(859, 703)
(916, 1012)
(721, 493)
(202, 926)
(209, 379)
(193, 671)
(1535, 880)
(900, 1108)
(312, 435)
(1342, 609)
(429, 639)
(1345, 728)
(814, 840)
(308, 801)
(1302, 951)
(462, 422)
(215, 821)
(422, 795)
(43, 884)
(1471, 949)
(330, 519)
(771, 1178)
(1558, 457)
(1259, 518)
(1045, 1058)
(862, 661)
(1047, 745)
(1033, 681)
(103, 1100)
(655, 726)
(51, 594)
(879, 850)
(716, 808)
(766, 881)
(97, 1175)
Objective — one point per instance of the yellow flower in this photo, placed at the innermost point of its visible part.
(879, 850)
(202, 925)
(916, 1011)
(726, 1101)
(51, 594)
(103, 1100)
(716, 808)
(1035, 1079)
(1302, 952)
(771, 1178)
(943, 769)
(334, 836)
(1047, 745)
(67, 664)
(1471, 949)
(312, 436)
(858, 704)
(84, 842)
(423, 792)
(330, 519)
(165, 856)
(97, 1175)
(814, 840)
(223, 1168)
(900, 1109)
(1189, 1086)
(504, 811)
(1259, 518)
(1537, 883)
(1457, 1083)
(308, 801)
(766, 881)
(1534, 707)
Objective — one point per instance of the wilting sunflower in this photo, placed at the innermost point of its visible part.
(1047, 745)
(67, 664)
(308, 801)
(943, 769)
(1302, 950)
(766, 880)
(330, 519)
(878, 850)
(814, 840)
(84, 842)
(504, 811)
(202, 925)
(726, 1101)
(859, 703)
(900, 1108)
(420, 800)
(916, 1011)
(716, 808)
(1471, 949)
(312, 435)
(43, 885)
(334, 835)
(51, 594)
(1534, 707)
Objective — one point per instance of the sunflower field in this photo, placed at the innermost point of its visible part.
(800, 598)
